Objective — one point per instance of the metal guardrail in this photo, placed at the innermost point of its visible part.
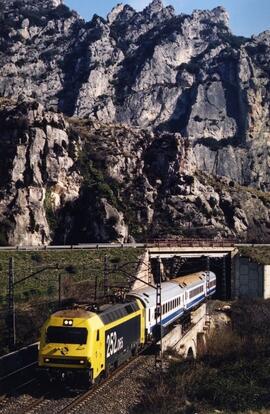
(18, 371)
(17, 363)
(147, 244)
(92, 246)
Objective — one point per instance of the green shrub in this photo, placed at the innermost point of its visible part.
(71, 269)
(51, 290)
(36, 257)
(3, 238)
(50, 213)
(60, 12)
(234, 41)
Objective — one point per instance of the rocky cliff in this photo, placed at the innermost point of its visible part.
(71, 181)
(165, 127)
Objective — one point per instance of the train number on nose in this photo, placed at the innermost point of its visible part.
(114, 344)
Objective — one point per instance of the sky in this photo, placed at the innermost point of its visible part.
(247, 17)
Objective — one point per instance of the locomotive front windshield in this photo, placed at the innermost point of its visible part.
(59, 335)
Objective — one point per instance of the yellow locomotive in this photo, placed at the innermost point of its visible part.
(90, 344)
(78, 341)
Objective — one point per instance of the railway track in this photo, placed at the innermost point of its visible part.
(16, 399)
(72, 401)
(27, 398)
(83, 399)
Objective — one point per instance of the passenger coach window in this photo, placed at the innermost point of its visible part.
(196, 291)
(61, 335)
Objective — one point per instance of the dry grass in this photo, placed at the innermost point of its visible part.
(233, 376)
(264, 196)
(256, 254)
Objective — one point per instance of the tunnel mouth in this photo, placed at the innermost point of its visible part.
(178, 266)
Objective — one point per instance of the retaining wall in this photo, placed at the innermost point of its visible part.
(251, 279)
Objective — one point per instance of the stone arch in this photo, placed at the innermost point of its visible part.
(190, 354)
(201, 343)
(191, 350)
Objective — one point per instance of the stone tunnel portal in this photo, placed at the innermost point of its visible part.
(174, 264)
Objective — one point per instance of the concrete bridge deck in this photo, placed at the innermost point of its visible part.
(189, 252)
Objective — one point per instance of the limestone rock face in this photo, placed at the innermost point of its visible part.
(185, 74)
(79, 181)
(141, 185)
(37, 172)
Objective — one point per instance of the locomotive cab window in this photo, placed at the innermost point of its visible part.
(98, 335)
(59, 335)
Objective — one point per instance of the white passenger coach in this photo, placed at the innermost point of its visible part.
(177, 297)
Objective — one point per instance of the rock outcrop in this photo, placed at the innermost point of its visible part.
(72, 181)
(169, 132)
(185, 74)
(37, 172)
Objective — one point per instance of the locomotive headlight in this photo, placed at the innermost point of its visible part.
(82, 362)
(46, 360)
(68, 322)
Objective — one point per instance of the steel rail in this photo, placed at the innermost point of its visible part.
(32, 406)
(11, 374)
(95, 389)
